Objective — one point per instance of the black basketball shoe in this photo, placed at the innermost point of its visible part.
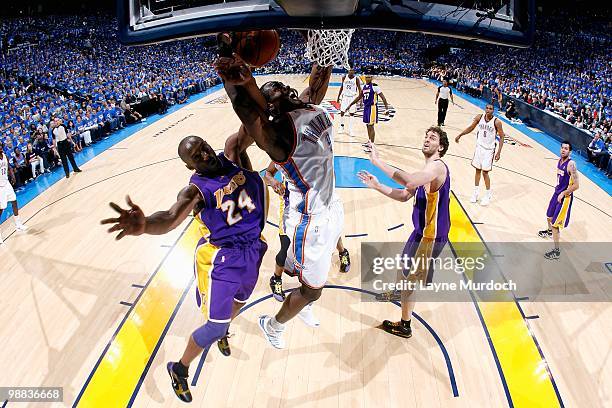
(545, 233)
(223, 344)
(553, 255)
(401, 328)
(179, 384)
(345, 261)
(276, 285)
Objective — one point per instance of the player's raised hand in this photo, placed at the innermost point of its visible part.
(371, 151)
(368, 179)
(233, 70)
(129, 222)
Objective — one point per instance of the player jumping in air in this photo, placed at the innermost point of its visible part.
(298, 135)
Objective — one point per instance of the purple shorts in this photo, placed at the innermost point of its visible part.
(559, 212)
(225, 276)
(370, 114)
(419, 247)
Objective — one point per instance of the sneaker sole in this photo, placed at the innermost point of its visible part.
(278, 298)
(265, 333)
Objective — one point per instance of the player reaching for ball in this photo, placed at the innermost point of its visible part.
(430, 188)
(298, 135)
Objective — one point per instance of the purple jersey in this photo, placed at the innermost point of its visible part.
(431, 215)
(235, 205)
(564, 179)
(370, 95)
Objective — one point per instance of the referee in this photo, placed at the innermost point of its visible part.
(444, 92)
(63, 142)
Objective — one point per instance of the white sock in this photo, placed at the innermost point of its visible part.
(17, 220)
(488, 192)
(476, 189)
(350, 122)
(275, 324)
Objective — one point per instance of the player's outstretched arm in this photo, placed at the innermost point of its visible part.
(372, 152)
(235, 148)
(470, 128)
(251, 107)
(133, 221)
(317, 84)
(372, 182)
(431, 171)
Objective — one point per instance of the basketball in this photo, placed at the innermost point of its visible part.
(257, 48)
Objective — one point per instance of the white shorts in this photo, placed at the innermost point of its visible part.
(345, 102)
(313, 241)
(483, 158)
(7, 194)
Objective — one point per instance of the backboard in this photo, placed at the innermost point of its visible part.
(506, 22)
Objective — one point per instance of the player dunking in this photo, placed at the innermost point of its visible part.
(560, 206)
(430, 188)
(298, 135)
(7, 194)
(231, 205)
(350, 88)
(369, 94)
(276, 281)
(488, 127)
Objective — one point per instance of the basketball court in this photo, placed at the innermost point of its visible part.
(101, 317)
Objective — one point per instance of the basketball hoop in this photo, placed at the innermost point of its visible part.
(329, 47)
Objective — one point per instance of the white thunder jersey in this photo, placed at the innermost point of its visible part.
(349, 86)
(485, 136)
(3, 171)
(309, 169)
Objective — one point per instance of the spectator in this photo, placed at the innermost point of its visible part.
(34, 160)
(596, 149)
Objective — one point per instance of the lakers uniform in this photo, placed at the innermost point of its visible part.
(349, 93)
(485, 144)
(559, 213)
(370, 103)
(314, 216)
(229, 254)
(431, 220)
(7, 194)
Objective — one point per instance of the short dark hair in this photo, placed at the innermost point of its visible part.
(567, 143)
(443, 138)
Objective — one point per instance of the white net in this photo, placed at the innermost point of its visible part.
(329, 47)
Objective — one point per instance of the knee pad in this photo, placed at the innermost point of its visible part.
(282, 252)
(205, 335)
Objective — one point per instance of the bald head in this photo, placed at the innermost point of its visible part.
(186, 145)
